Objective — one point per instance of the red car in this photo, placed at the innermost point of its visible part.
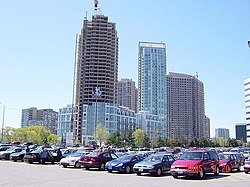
(228, 162)
(196, 163)
(97, 159)
(247, 166)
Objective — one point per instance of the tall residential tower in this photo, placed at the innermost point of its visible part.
(97, 66)
(185, 107)
(152, 81)
(247, 103)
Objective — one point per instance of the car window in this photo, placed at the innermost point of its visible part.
(170, 158)
(106, 155)
(113, 155)
(206, 156)
(213, 155)
(165, 159)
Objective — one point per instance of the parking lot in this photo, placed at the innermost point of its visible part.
(23, 174)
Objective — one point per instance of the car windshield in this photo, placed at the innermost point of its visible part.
(125, 157)
(78, 154)
(224, 157)
(94, 153)
(154, 158)
(191, 156)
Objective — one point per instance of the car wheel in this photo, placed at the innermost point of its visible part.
(159, 172)
(201, 173)
(30, 162)
(87, 168)
(246, 172)
(110, 171)
(238, 169)
(175, 176)
(102, 167)
(139, 174)
(77, 165)
(127, 169)
(217, 171)
(64, 166)
(14, 160)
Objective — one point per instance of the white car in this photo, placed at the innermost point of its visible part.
(73, 159)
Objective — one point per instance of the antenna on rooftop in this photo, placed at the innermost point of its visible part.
(196, 75)
(97, 9)
(86, 16)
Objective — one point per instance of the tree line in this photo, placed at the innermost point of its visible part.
(35, 134)
(139, 138)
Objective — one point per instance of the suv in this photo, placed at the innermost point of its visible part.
(196, 163)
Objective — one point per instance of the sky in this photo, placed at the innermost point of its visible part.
(37, 44)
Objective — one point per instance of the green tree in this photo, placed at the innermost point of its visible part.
(115, 139)
(101, 133)
(160, 142)
(139, 137)
(146, 142)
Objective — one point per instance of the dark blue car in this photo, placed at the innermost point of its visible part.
(124, 163)
(154, 164)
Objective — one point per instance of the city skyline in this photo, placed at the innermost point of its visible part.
(38, 40)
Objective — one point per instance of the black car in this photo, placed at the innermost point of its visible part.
(154, 164)
(34, 156)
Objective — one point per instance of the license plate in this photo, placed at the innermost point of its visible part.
(140, 169)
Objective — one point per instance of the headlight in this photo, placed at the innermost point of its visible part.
(150, 167)
(172, 167)
(121, 164)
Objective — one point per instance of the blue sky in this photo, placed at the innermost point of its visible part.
(37, 40)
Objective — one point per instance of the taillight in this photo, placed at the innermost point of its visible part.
(34, 155)
(92, 159)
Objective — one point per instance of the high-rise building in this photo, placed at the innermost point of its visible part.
(207, 128)
(64, 123)
(43, 117)
(241, 132)
(186, 113)
(152, 81)
(127, 93)
(97, 66)
(222, 133)
(247, 103)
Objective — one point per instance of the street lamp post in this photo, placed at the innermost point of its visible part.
(3, 119)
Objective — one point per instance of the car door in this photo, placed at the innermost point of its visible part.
(165, 163)
(207, 162)
(170, 161)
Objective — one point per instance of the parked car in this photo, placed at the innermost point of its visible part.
(240, 158)
(124, 163)
(97, 159)
(18, 156)
(196, 163)
(247, 166)
(6, 154)
(73, 159)
(34, 156)
(228, 162)
(67, 152)
(154, 164)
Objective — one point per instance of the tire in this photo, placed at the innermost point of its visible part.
(175, 176)
(217, 172)
(201, 174)
(110, 171)
(246, 172)
(127, 169)
(77, 165)
(87, 168)
(139, 174)
(64, 166)
(102, 167)
(158, 172)
(14, 160)
(30, 162)
(238, 169)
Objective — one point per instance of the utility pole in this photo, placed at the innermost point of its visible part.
(3, 119)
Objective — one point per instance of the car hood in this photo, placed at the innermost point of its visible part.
(224, 161)
(116, 162)
(143, 163)
(186, 163)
